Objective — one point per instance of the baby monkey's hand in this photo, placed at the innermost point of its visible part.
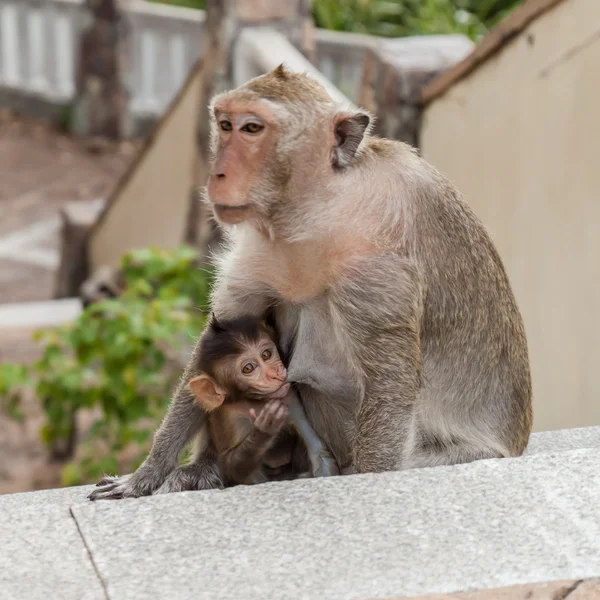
(271, 418)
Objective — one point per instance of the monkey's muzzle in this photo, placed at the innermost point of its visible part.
(232, 215)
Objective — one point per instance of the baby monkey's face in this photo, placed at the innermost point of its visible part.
(260, 371)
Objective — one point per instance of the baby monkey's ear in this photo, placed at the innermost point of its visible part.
(208, 394)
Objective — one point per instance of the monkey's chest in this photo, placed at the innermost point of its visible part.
(318, 359)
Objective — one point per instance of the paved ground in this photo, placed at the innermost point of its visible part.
(490, 524)
(40, 170)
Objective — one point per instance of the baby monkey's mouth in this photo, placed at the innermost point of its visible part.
(281, 393)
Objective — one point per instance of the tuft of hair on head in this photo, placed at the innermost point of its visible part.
(281, 72)
(214, 324)
(283, 85)
(226, 338)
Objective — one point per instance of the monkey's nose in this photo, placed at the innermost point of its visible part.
(220, 175)
(277, 374)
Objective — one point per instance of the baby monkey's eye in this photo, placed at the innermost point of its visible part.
(252, 128)
(266, 355)
(247, 368)
(225, 125)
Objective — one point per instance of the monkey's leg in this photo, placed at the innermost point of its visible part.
(323, 464)
(202, 473)
(435, 455)
(380, 302)
(241, 464)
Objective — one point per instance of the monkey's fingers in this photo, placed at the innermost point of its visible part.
(281, 414)
(115, 488)
(108, 480)
(253, 414)
(108, 492)
(272, 405)
(265, 420)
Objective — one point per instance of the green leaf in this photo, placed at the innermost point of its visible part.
(114, 359)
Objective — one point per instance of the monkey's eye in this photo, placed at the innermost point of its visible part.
(266, 354)
(252, 127)
(225, 125)
(248, 368)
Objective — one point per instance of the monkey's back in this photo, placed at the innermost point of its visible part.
(475, 357)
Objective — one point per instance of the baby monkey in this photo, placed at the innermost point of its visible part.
(257, 424)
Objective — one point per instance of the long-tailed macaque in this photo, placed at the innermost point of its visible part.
(244, 389)
(391, 301)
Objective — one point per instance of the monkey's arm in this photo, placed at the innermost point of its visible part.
(183, 420)
(382, 303)
(241, 462)
(322, 462)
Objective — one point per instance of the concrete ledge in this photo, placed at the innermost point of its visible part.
(448, 530)
(563, 439)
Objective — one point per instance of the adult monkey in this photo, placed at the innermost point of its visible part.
(392, 303)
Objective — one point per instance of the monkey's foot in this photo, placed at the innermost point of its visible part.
(141, 483)
(326, 466)
(202, 476)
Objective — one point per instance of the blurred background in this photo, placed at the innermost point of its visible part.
(104, 269)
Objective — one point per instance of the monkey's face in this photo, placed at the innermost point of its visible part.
(276, 142)
(244, 141)
(259, 371)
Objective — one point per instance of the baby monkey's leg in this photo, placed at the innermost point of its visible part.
(323, 464)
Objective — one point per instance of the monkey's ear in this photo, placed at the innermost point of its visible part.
(208, 394)
(349, 130)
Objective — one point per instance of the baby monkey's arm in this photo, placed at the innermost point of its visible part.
(241, 463)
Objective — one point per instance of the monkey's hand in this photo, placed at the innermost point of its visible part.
(271, 418)
(143, 482)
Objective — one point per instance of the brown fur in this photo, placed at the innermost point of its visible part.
(247, 455)
(404, 337)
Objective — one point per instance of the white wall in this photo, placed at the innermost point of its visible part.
(520, 137)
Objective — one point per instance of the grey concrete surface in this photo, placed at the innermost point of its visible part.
(61, 497)
(42, 554)
(487, 524)
(564, 439)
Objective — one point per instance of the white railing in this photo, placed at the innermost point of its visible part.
(39, 46)
(340, 57)
(166, 41)
(259, 50)
(39, 38)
